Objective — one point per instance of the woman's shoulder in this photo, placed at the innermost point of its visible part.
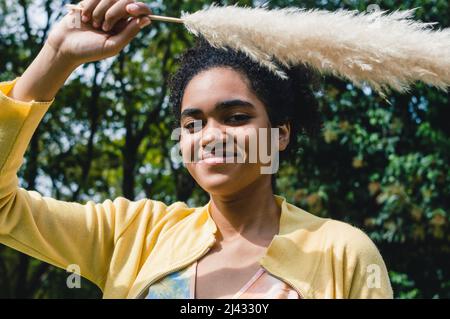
(335, 235)
(350, 243)
(345, 235)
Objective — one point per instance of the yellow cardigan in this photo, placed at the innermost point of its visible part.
(123, 246)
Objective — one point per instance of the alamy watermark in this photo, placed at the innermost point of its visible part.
(73, 281)
(374, 278)
(252, 145)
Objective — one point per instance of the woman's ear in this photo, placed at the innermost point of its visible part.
(284, 135)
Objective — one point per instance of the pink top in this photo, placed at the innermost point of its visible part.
(181, 285)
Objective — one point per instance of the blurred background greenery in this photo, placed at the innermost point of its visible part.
(379, 166)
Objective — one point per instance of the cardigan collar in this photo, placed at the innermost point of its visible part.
(196, 235)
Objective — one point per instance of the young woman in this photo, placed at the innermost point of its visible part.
(246, 242)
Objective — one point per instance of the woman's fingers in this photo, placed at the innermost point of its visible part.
(88, 8)
(114, 14)
(98, 15)
(138, 9)
(143, 22)
(106, 13)
(119, 10)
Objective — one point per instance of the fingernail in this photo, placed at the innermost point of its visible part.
(95, 24)
(145, 22)
(85, 19)
(132, 6)
(105, 27)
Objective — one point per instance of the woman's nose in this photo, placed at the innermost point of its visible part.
(213, 133)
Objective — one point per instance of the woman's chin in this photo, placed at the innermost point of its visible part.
(216, 182)
(219, 181)
(223, 179)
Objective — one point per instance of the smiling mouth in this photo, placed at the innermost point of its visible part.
(212, 158)
(215, 160)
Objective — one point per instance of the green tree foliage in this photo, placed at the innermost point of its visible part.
(379, 165)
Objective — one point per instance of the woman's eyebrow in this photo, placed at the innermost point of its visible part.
(192, 111)
(232, 103)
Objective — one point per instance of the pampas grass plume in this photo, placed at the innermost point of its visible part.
(384, 50)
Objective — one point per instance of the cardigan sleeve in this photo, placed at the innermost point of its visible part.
(369, 278)
(57, 232)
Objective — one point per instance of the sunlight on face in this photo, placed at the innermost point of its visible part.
(228, 112)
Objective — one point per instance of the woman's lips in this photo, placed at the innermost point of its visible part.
(217, 160)
(210, 158)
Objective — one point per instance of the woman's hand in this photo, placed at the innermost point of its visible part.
(109, 25)
(105, 28)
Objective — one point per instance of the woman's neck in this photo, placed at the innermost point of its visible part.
(251, 213)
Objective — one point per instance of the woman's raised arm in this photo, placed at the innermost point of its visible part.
(58, 232)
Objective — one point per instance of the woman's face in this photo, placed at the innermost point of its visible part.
(221, 119)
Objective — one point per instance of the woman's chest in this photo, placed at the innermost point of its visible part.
(223, 274)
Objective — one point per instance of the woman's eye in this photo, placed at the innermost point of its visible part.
(237, 118)
(191, 126)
